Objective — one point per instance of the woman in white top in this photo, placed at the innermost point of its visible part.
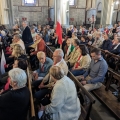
(65, 104)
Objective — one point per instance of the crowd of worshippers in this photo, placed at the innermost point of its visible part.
(54, 92)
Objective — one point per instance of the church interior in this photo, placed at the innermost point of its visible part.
(59, 59)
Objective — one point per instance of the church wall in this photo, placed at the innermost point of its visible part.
(78, 13)
(35, 14)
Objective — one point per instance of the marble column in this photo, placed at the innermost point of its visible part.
(62, 10)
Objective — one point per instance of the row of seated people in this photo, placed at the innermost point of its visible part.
(11, 88)
(17, 50)
(92, 78)
(99, 41)
(55, 81)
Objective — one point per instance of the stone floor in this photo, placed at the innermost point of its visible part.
(100, 112)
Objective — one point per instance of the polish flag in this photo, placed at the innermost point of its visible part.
(59, 31)
(3, 62)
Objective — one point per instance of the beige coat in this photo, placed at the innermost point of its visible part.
(84, 62)
(73, 57)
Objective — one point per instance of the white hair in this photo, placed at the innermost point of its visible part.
(18, 75)
(60, 52)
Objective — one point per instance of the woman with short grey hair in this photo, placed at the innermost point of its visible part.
(65, 104)
(14, 103)
(18, 77)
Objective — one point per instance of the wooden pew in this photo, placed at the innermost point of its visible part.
(85, 112)
(32, 112)
(108, 55)
(104, 94)
(109, 100)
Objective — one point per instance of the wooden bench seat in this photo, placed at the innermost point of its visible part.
(109, 100)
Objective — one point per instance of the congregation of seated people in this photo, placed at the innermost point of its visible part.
(53, 90)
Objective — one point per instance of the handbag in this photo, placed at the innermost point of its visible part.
(46, 116)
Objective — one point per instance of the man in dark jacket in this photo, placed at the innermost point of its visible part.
(107, 43)
(26, 36)
(116, 47)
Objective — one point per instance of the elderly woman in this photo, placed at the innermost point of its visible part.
(14, 104)
(65, 104)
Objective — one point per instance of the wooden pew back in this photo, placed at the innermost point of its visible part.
(32, 112)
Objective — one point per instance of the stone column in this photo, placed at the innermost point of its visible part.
(106, 16)
(62, 9)
(4, 12)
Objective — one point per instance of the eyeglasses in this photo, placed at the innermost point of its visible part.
(55, 56)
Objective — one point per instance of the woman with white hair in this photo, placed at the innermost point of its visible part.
(14, 104)
(65, 104)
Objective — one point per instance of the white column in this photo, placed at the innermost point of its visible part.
(62, 9)
(110, 12)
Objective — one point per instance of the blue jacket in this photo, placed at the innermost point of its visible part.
(48, 63)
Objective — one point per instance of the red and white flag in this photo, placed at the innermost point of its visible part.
(59, 30)
(3, 62)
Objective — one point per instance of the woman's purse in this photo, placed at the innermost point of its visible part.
(46, 116)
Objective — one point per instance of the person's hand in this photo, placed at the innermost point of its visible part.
(82, 77)
(73, 68)
(106, 51)
(31, 53)
(31, 50)
(1, 91)
(84, 82)
(42, 108)
(10, 50)
(10, 56)
(41, 85)
(36, 76)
